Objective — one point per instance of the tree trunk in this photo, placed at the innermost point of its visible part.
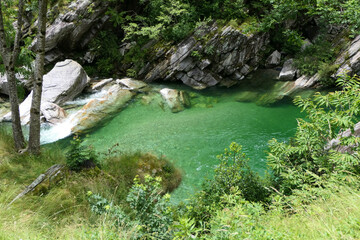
(34, 134)
(9, 57)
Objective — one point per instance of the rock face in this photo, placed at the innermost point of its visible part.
(349, 60)
(63, 83)
(176, 100)
(273, 60)
(4, 85)
(99, 109)
(288, 72)
(74, 28)
(335, 144)
(212, 56)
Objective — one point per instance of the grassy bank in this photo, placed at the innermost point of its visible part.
(62, 210)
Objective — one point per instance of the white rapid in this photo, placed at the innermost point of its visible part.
(62, 130)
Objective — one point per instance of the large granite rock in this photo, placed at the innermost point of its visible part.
(288, 72)
(176, 100)
(74, 27)
(223, 59)
(273, 60)
(63, 83)
(100, 109)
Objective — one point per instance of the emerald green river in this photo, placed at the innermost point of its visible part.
(194, 137)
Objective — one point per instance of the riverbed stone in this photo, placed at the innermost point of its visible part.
(288, 72)
(176, 100)
(131, 84)
(52, 112)
(99, 109)
(99, 85)
(273, 60)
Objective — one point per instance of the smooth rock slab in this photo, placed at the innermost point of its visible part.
(63, 83)
(131, 84)
(100, 109)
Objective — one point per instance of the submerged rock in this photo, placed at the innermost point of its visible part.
(176, 100)
(100, 109)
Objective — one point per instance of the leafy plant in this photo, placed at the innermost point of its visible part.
(312, 155)
(151, 208)
(79, 156)
(233, 175)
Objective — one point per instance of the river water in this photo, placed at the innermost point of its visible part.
(194, 137)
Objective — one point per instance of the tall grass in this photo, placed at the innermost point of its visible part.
(334, 215)
(61, 210)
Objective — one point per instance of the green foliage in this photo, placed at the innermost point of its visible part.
(317, 58)
(196, 55)
(290, 41)
(167, 19)
(309, 157)
(105, 48)
(233, 175)
(79, 156)
(217, 9)
(151, 208)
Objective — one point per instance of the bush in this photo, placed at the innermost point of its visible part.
(79, 157)
(317, 58)
(310, 158)
(233, 175)
(151, 208)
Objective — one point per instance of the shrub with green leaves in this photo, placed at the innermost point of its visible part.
(151, 208)
(232, 175)
(309, 158)
(318, 58)
(80, 156)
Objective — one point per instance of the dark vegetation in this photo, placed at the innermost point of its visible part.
(289, 23)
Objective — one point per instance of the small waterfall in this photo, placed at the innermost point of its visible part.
(62, 130)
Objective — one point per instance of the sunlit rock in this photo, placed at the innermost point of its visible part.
(288, 72)
(63, 83)
(131, 84)
(176, 100)
(100, 109)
